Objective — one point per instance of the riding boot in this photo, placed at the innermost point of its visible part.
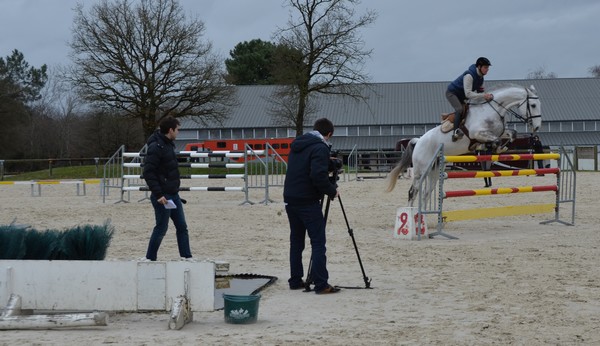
(458, 134)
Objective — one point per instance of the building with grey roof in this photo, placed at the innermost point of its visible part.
(392, 111)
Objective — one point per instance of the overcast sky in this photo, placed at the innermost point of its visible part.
(412, 41)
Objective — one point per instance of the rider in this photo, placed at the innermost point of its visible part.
(468, 86)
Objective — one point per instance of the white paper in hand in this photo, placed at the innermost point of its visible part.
(170, 204)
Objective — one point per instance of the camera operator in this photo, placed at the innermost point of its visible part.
(306, 182)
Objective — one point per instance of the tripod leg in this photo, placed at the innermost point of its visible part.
(351, 232)
(309, 280)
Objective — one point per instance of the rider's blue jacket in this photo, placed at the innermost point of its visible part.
(457, 87)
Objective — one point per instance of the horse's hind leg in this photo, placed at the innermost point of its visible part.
(411, 196)
(413, 191)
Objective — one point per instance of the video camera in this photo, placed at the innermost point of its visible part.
(336, 166)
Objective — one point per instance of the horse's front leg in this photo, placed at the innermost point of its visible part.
(507, 137)
(484, 137)
(498, 144)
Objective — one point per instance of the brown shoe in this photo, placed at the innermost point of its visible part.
(329, 289)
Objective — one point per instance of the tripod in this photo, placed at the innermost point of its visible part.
(309, 280)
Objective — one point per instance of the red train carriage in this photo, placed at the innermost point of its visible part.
(280, 145)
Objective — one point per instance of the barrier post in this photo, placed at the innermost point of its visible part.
(410, 224)
(33, 190)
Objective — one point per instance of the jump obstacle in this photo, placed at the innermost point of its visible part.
(36, 185)
(262, 169)
(180, 287)
(431, 193)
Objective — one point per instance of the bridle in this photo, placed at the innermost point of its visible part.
(527, 119)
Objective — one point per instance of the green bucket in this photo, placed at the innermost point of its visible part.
(241, 309)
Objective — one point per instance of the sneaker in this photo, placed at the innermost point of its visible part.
(458, 134)
(143, 259)
(329, 289)
(188, 259)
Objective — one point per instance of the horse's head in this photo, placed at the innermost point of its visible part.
(531, 109)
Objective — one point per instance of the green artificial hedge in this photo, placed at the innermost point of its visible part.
(85, 242)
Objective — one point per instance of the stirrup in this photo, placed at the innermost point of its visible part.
(457, 135)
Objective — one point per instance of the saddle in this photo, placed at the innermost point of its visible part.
(448, 121)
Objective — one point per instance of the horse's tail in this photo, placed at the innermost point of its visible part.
(401, 166)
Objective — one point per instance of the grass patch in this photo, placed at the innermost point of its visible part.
(72, 172)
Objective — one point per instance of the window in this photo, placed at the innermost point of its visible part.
(590, 125)
(187, 134)
(271, 133)
(248, 133)
(202, 134)
(397, 130)
(221, 144)
(554, 127)
(237, 133)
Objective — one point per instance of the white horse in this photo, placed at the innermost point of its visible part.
(485, 123)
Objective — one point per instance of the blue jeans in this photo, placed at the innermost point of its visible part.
(162, 216)
(303, 219)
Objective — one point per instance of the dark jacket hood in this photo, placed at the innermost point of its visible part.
(304, 141)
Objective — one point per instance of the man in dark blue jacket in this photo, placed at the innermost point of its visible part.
(161, 173)
(468, 86)
(306, 183)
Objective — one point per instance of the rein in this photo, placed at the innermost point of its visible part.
(525, 119)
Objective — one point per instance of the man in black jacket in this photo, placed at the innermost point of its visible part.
(538, 148)
(161, 173)
(306, 183)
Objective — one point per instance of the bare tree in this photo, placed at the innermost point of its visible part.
(595, 71)
(540, 73)
(283, 107)
(146, 60)
(58, 109)
(331, 55)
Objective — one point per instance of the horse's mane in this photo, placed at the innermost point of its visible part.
(504, 86)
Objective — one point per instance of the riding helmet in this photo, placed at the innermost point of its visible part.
(482, 61)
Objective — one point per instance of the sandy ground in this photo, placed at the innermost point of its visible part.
(504, 281)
